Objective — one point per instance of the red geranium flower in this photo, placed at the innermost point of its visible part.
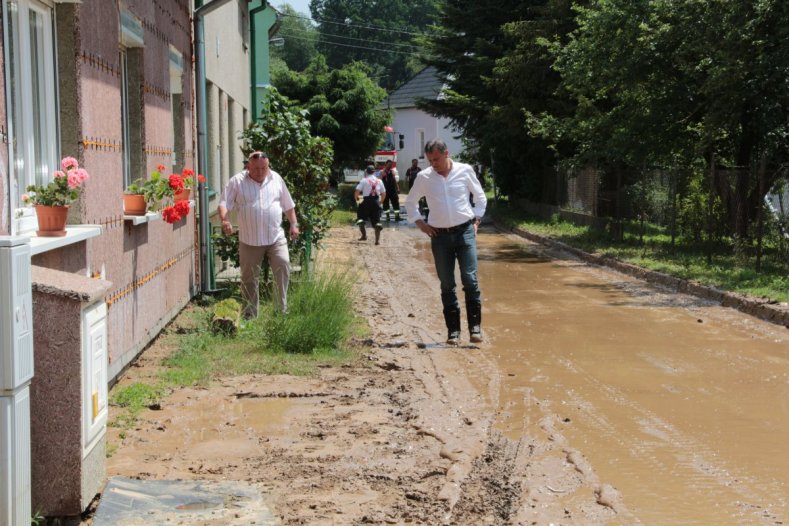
(182, 207)
(170, 214)
(176, 183)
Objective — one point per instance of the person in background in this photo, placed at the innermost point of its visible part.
(446, 185)
(371, 191)
(389, 177)
(410, 174)
(259, 196)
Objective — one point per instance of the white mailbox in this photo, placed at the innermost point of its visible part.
(94, 375)
(16, 313)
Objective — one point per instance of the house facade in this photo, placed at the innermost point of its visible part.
(110, 83)
(414, 127)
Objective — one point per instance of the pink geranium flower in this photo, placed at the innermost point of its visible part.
(67, 163)
(74, 180)
(62, 190)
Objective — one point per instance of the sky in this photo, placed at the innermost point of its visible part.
(302, 6)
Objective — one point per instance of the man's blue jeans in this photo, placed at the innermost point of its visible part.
(460, 245)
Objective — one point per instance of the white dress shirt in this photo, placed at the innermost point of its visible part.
(259, 207)
(447, 197)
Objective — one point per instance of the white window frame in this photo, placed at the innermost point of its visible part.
(124, 66)
(176, 88)
(20, 108)
(132, 36)
(420, 142)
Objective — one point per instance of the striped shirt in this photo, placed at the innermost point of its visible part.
(259, 207)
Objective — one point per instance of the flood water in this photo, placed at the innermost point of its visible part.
(680, 405)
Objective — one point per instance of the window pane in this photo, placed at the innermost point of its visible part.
(16, 95)
(127, 178)
(37, 76)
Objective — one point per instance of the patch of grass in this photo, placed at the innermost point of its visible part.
(342, 217)
(313, 334)
(137, 396)
(319, 318)
(134, 398)
(729, 271)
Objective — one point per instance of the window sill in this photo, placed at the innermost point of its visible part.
(150, 216)
(147, 218)
(74, 234)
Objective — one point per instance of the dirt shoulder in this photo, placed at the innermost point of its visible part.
(403, 435)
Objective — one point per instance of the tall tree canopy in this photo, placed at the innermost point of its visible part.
(488, 56)
(342, 105)
(662, 81)
(380, 33)
(300, 39)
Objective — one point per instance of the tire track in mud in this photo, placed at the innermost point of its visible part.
(477, 486)
(491, 479)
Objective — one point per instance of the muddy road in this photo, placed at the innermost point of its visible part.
(594, 400)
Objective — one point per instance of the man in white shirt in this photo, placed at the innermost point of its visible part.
(259, 196)
(446, 186)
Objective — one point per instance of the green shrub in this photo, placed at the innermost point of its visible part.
(693, 218)
(226, 248)
(320, 315)
(345, 195)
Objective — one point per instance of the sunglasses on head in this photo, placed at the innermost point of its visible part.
(258, 155)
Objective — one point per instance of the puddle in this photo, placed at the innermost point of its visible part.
(132, 502)
(683, 407)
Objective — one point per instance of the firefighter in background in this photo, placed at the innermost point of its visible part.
(389, 177)
(372, 191)
(410, 176)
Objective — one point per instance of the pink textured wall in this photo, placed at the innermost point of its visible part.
(150, 265)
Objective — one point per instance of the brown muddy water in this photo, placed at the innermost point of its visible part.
(681, 405)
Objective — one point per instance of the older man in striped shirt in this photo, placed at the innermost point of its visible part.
(259, 196)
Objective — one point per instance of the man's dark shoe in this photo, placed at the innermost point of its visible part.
(476, 334)
(453, 338)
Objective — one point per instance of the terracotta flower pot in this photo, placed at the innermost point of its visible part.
(51, 220)
(134, 204)
(183, 195)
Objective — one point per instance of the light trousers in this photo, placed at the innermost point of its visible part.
(251, 258)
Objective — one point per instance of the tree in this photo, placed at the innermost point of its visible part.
(665, 83)
(300, 39)
(303, 161)
(379, 33)
(342, 104)
(494, 70)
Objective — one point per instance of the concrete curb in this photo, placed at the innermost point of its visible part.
(771, 312)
